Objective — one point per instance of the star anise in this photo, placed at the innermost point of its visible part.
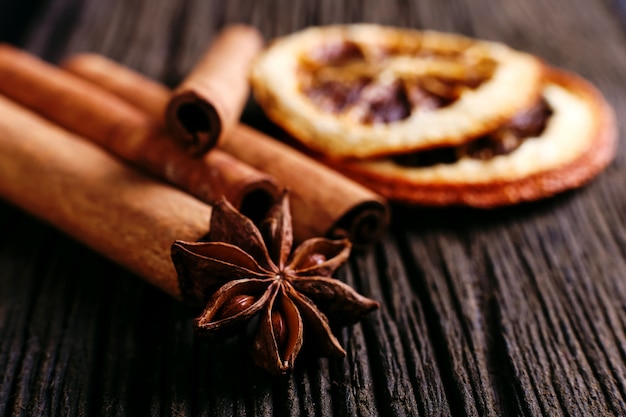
(244, 271)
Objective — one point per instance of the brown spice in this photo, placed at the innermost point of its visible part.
(84, 191)
(133, 220)
(208, 103)
(245, 271)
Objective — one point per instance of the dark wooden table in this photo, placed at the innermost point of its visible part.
(519, 311)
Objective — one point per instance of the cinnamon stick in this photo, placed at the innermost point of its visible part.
(127, 131)
(208, 103)
(323, 201)
(322, 198)
(93, 197)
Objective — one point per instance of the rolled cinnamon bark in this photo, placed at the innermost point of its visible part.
(130, 133)
(323, 201)
(90, 195)
(321, 197)
(208, 103)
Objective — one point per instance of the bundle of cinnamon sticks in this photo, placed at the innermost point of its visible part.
(64, 130)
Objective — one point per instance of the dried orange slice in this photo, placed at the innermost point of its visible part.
(562, 142)
(365, 90)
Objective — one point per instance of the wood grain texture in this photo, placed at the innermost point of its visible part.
(519, 311)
